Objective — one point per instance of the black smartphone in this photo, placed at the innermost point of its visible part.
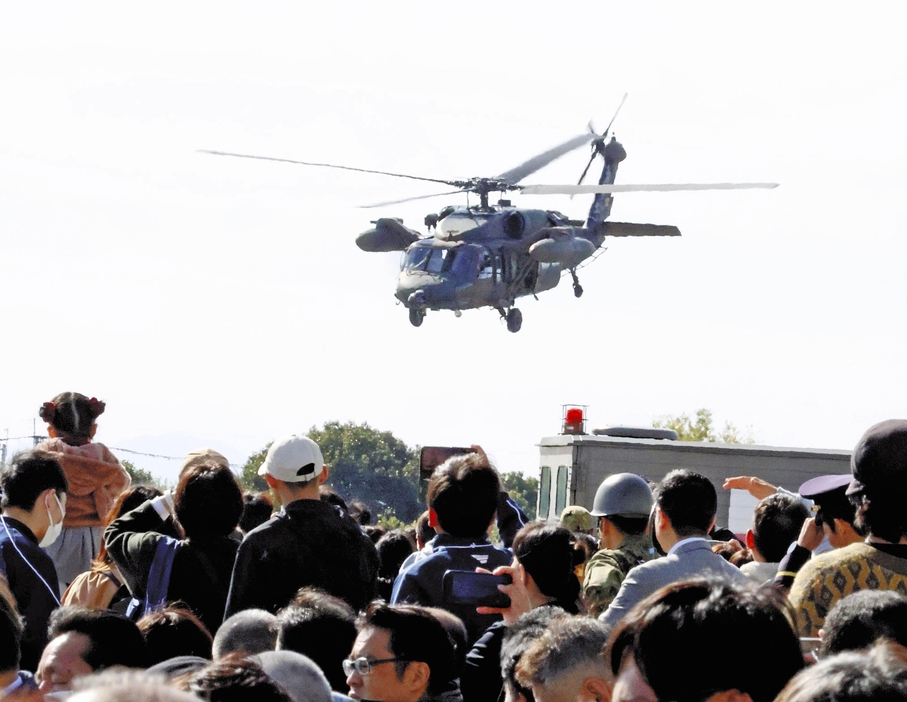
(475, 589)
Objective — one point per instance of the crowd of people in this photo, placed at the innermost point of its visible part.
(111, 591)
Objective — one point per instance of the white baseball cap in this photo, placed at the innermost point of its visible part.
(294, 459)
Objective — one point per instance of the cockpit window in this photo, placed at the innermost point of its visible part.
(440, 260)
(416, 258)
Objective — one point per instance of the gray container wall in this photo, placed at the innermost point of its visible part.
(584, 461)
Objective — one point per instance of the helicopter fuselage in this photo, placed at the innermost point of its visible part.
(477, 259)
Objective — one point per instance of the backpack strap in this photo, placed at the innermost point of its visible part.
(158, 578)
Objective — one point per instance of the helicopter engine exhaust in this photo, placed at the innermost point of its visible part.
(562, 245)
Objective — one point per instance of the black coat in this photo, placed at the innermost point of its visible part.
(201, 568)
(309, 543)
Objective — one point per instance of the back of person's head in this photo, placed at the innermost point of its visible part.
(374, 532)
(416, 635)
(296, 674)
(689, 500)
(667, 634)
(568, 645)
(128, 500)
(517, 640)
(425, 532)
(208, 501)
(29, 474)
(877, 675)
(328, 494)
(463, 493)
(456, 630)
(233, 679)
(257, 509)
(777, 520)
(857, 621)
(113, 639)
(72, 414)
(10, 637)
(360, 512)
(549, 555)
(174, 631)
(249, 631)
(126, 686)
(322, 627)
(393, 548)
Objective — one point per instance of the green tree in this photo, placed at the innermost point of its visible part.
(366, 464)
(372, 466)
(140, 476)
(249, 477)
(523, 489)
(701, 428)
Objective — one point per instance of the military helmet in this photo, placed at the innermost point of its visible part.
(624, 495)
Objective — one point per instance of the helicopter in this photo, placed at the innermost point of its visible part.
(489, 255)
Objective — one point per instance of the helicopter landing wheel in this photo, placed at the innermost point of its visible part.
(514, 320)
(577, 288)
(416, 316)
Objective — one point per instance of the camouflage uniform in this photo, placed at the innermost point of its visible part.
(606, 570)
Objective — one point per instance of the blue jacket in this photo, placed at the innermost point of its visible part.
(421, 583)
(34, 599)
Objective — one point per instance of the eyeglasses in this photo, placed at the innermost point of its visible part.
(364, 666)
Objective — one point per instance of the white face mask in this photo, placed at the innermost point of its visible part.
(54, 530)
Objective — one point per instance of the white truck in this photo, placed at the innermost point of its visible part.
(573, 466)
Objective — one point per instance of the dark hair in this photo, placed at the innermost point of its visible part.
(860, 619)
(668, 631)
(882, 515)
(208, 501)
(322, 627)
(174, 631)
(424, 531)
(374, 532)
(10, 637)
(257, 509)
(879, 674)
(835, 505)
(361, 513)
(549, 555)
(689, 500)
(587, 543)
(28, 475)
(517, 640)
(328, 494)
(113, 639)
(463, 492)
(415, 635)
(629, 526)
(567, 644)
(393, 548)
(233, 679)
(777, 521)
(741, 557)
(72, 414)
(126, 502)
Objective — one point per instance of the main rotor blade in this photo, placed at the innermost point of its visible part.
(608, 128)
(327, 165)
(515, 175)
(628, 188)
(588, 166)
(409, 199)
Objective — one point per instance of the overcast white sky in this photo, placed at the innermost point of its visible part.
(223, 301)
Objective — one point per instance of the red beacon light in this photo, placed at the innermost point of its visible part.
(574, 419)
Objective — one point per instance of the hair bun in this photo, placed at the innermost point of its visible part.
(97, 407)
(47, 412)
